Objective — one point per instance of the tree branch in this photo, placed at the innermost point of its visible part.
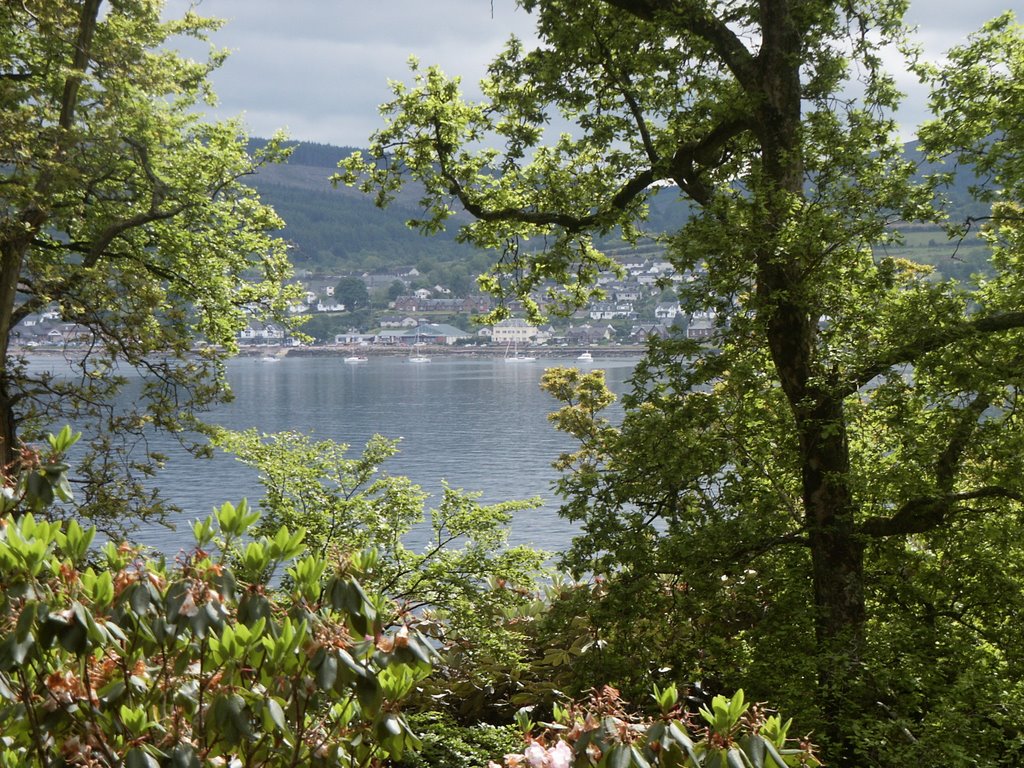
(622, 198)
(100, 244)
(79, 62)
(924, 513)
(929, 512)
(691, 159)
(967, 423)
(915, 349)
(693, 18)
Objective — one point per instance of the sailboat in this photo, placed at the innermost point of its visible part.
(515, 357)
(416, 357)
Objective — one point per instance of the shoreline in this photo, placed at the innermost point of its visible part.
(345, 350)
(436, 350)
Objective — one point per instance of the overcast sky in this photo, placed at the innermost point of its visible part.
(319, 68)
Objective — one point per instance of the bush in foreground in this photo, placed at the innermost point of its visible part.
(601, 733)
(129, 661)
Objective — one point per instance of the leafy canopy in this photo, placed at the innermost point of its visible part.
(460, 583)
(124, 210)
(823, 495)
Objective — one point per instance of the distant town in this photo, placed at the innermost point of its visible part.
(394, 308)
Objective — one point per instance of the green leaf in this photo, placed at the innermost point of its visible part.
(274, 714)
(74, 637)
(184, 756)
(239, 715)
(737, 759)
(774, 753)
(369, 694)
(327, 672)
(139, 758)
(26, 620)
(620, 756)
(112, 692)
(637, 758)
(138, 598)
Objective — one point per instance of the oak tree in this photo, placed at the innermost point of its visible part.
(125, 211)
(835, 482)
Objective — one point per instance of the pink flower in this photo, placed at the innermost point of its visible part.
(560, 756)
(536, 755)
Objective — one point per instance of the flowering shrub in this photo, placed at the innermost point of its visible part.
(599, 733)
(115, 658)
(537, 755)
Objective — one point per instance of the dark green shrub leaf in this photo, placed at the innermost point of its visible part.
(327, 673)
(184, 756)
(74, 637)
(369, 693)
(138, 598)
(275, 714)
(26, 620)
(139, 758)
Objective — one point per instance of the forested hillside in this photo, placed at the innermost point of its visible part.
(341, 230)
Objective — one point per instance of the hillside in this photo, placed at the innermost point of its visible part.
(335, 230)
(340, 229)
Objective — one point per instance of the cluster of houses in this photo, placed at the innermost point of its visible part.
(47, 328)
(517, 331)
(411, 317)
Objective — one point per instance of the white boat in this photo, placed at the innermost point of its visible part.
(419, 359)
(585, 357)
(355, 359)
(515, 357)
(269, 359)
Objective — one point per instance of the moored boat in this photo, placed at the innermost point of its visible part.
(515, 357)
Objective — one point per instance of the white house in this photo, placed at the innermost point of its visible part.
(352, 337)
(261, 333)
(626, 292)
(609, 310)
(514, 330)
(667, 310)
(394, 321)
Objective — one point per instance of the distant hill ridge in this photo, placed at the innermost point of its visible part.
(340, 229)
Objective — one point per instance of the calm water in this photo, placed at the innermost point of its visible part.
(479, 424)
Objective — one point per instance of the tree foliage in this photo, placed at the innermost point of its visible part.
(827, 495)
(460, 583)
(353, 293)
(119, 206)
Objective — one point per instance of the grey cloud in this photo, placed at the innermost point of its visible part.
(320, 67)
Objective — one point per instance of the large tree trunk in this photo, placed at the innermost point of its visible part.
(18, 231)
(12, 255)
(836, 552)
(837, 571)
(788, 305)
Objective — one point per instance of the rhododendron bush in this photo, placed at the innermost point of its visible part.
(601, 733)
(116, 658)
